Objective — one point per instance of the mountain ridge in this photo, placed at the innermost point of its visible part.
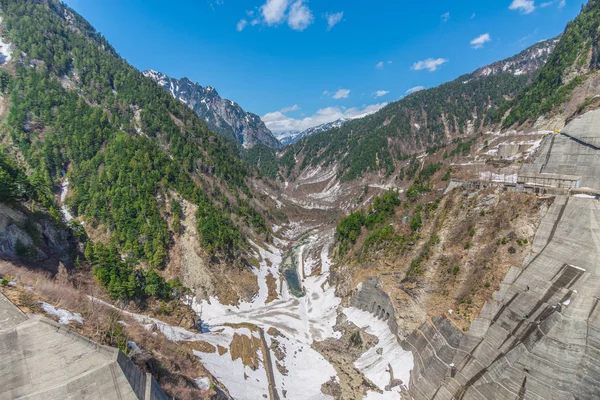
(526, 61)
(221, 115)
(423, 119)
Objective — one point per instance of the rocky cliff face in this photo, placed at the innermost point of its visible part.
(221, 115)
(33, 238)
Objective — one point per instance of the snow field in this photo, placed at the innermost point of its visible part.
(375, 366)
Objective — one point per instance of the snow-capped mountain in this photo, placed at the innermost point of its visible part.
(529, 60)
(221, 115)
(292, 137)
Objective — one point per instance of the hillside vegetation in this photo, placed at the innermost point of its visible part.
(419, 121)
(76, 107)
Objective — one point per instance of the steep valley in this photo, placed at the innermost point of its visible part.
(484, 235)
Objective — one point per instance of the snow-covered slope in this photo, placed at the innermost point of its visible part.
(221, 115)
(527, 61)
(292, 137)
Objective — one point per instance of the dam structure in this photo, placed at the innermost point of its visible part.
(41, 359)
(539, 336)
(569, 159)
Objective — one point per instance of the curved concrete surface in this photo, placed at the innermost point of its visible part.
(40, 359)
(539, 336)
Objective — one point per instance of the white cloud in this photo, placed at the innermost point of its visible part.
(480, 41)
(559, 4)
(300, 16)
(430, 64)
(278, 122)
(333, 19)
(379, 65)
(380, 93)
(241, 25)
(289, 109)
(446, 16)
(414, 89)
(341, 94)
(524, 6)
(273, 11)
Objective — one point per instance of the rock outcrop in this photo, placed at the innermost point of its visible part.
(33, 238)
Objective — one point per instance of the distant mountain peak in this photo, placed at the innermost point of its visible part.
(292, 137)
(221, 115)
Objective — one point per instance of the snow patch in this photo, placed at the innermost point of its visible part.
(5, 50)
(242, 381)
(64, 316)
(307, 370)
(202, 383)
(64, 188)
(300, 320)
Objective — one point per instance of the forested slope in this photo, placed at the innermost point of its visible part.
(576, 56)
(423, 119)
(125, 144)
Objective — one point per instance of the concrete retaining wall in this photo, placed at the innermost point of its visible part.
(373, 299)
(506, 150)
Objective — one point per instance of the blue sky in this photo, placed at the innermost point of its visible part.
(298, 63)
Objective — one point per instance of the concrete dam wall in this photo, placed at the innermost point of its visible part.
(539, 336)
